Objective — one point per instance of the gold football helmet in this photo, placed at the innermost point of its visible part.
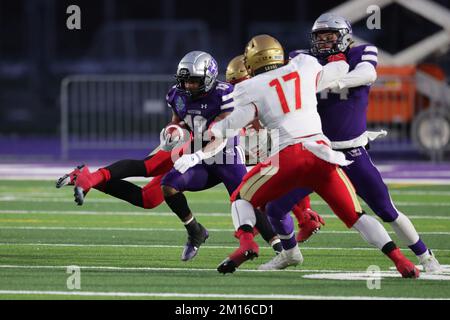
(263, 53)
(236, 71)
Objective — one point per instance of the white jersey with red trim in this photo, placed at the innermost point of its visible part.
(285, 99)
(285, 102)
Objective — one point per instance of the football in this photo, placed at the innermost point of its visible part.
(176, 133)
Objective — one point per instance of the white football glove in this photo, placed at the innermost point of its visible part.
(188, 161)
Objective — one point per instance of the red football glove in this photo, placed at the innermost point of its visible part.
(336, 57)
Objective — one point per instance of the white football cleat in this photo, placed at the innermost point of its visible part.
(429, 262)
(286, 258)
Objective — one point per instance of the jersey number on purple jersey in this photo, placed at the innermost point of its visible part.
(196, 123)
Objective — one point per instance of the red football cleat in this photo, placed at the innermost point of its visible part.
(83, 183)
(69, 178)
(248, 249)
(86, 180)
(309, 223)
(406, 268)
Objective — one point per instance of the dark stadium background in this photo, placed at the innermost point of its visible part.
(37, 50)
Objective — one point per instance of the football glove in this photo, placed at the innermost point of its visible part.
(188, 161)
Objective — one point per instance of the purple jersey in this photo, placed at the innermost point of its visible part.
(199, 113)
(226, 167)
(344, 112)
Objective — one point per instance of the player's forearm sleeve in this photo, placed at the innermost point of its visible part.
(330, 73)
(363, 74)
(239, 118)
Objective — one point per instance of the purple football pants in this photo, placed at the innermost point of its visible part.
(204, 176)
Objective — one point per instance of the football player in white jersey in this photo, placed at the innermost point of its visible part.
(255, 140)
(283, 97)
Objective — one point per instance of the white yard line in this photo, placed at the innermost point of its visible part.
(22, 199)
(176, 269)
(113, 268)
(174, 229)
(179, 246)
(203, 295)
(155, 213)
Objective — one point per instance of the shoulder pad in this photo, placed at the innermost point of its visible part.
(171, 94)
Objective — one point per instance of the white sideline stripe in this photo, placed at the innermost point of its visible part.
(420, 193)
(198, 201)
(202, 295)
(177, 230)
(153, 213)
(11, 171)
(173, 246)
(408, 181)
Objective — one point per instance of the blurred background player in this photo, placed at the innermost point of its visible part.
(303, 157)
(343, 111)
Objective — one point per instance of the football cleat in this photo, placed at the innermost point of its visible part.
(193, 244)
(286, 258)
(429, 262)
(248, 250)
(79, 195)
(309, 224)
(69, 178)
(82, 185)
(406, 268)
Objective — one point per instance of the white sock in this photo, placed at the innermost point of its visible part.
(242, 213)
(424, 255)
(405, 230)
(372, 231)
(274, 241)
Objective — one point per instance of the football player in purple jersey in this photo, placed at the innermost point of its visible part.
(343, 110)
(198, 99)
